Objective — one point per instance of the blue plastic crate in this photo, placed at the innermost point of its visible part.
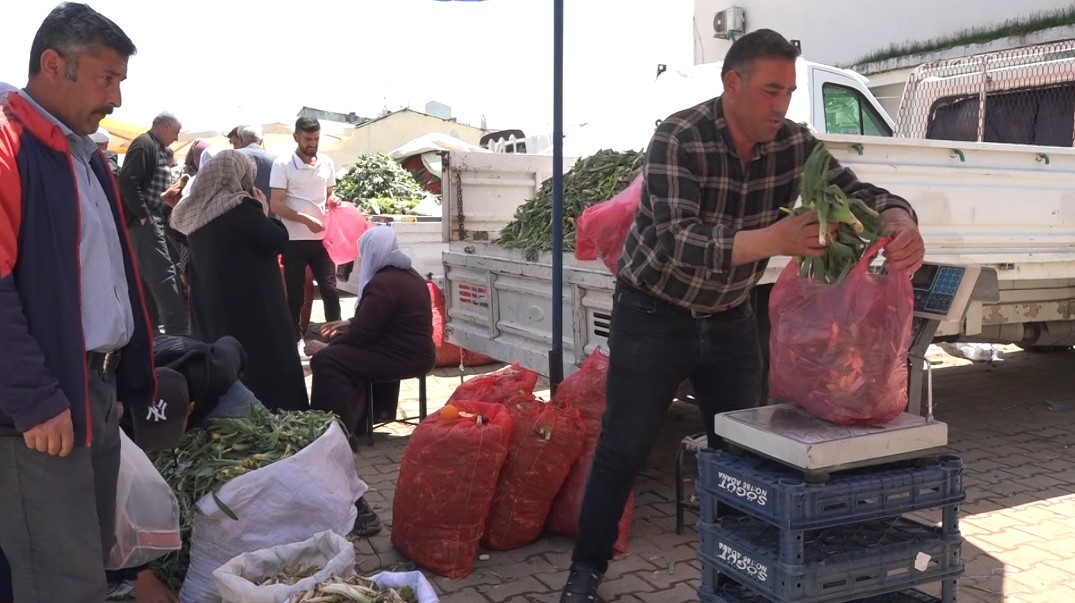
(736, 593)
(779, 495)
(840, 563)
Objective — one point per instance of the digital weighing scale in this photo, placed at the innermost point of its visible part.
(794, 437)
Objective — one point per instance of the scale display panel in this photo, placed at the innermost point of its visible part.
(942, 291)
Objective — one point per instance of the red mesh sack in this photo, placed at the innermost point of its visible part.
(437, 297)
(584, 391)
(509, 384)
(449, 354)
(602, 228)
(546, 440)
(840, 350)
(563, 516)
(447, 480)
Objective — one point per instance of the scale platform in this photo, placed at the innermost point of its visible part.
(793, 437)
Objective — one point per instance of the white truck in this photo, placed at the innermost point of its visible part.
(1009, 207)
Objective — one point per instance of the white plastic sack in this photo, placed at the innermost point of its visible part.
(288, 501)
(423, 590)
(237, 580)
(147, 513)
(416, 580)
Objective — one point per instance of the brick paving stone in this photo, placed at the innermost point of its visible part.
(1006, 488)
(624, 584)
(514, 590)
(1028, 556)
(1018, 520)
(677, 594)
(993, 522)
(466, 595)
(1041, 578)
(671, 575)
(1010, 539)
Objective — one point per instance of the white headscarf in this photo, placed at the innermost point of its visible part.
(220, 187)
(378, 249)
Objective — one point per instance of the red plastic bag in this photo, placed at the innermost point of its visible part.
(344, 225)
(546, 441)
(602, 228)
(840, 351)
(506, 386)
(585, 391)
(447, 480)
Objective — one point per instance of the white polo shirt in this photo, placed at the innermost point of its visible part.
(304, 185)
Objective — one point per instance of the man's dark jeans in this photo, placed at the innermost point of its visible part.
(297, 256)
(653, 347)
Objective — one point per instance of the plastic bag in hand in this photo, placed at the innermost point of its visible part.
(602, 228)
(147, 513)
(344, 226)
(840, 351)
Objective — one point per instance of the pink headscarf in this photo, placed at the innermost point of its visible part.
(194, 156)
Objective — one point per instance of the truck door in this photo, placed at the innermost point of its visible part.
(844, 105)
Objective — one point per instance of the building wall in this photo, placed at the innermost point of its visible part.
(838, 32)
(388, 133)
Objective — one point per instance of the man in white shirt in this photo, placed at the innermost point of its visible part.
(301, 185)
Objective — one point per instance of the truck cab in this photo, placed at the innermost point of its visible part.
(828, 99)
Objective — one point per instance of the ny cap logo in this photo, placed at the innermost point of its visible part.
(157, 411)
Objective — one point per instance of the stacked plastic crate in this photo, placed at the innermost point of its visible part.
(768, 534)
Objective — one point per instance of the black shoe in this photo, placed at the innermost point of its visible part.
(367, 523)
(581, 584)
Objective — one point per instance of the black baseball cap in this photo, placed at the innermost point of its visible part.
(163, 423)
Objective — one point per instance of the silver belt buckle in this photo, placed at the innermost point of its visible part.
(109, 363)
(697, 314)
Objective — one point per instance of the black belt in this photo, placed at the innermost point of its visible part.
(669, 308)
(102, 362)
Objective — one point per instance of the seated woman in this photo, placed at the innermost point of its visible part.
(390, 337)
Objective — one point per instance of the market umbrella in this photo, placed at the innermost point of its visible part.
(121, 133)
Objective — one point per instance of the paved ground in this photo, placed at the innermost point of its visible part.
(1010, 421)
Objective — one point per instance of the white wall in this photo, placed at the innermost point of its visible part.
(841, 32)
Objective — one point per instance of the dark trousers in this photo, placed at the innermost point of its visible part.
(341, 377)
(653, 347)
(160, 283)
(297, 256)
(759, 302)
(58, 520)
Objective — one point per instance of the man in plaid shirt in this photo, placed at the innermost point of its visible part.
(716, 176)
(145, 174)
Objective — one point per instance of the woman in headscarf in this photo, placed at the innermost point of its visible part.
(390, 337)
(235, 286)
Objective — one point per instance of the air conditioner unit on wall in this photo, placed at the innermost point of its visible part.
(729, 23)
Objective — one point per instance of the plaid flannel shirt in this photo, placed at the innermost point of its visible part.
(697, 196)
(162, 179)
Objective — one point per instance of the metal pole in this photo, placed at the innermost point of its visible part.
(556, 355)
